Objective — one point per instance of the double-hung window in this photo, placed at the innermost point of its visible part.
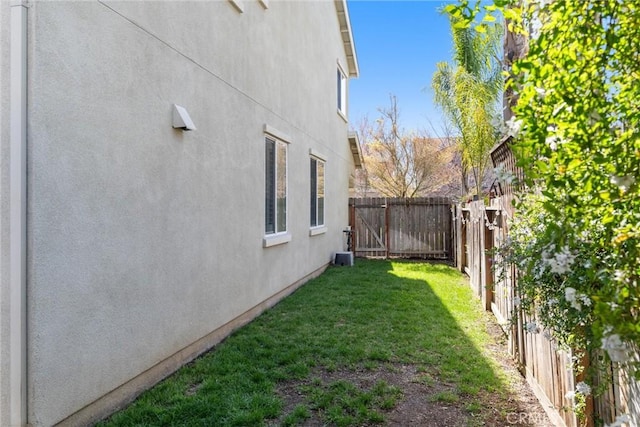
(317, 192)
(275, 186)
(342, 92)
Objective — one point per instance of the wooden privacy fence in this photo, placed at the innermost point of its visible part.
(402, 227)
(480, 228)
(547, 368)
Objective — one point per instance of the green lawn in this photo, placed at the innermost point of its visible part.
(375, 315)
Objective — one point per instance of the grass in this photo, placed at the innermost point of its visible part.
(372, 315)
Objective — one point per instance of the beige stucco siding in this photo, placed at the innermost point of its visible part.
(143, 239)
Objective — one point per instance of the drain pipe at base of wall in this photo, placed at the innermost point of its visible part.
(18, 216)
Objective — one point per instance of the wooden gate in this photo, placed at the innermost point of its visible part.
(398, 227)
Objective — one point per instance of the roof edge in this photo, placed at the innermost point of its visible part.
(354, 144)
(347, 37)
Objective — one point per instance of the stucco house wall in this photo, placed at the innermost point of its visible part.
(145, 244)
(5, 307)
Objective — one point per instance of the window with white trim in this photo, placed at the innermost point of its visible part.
(275, 186)
(317, 192)
(342, 92)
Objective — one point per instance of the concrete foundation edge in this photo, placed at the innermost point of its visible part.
(125, 394)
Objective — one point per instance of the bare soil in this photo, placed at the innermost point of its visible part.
(418, 407)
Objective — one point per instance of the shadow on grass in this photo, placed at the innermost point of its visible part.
(376, 316)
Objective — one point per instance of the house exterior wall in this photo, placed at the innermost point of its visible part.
(5, 312)
(143, 239)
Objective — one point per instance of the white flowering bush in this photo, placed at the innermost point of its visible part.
(576, 240)
(557, 274)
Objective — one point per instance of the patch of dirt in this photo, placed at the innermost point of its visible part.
(424, 400)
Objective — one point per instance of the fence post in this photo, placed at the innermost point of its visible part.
(458, 236)
(352, 223)
(487, 273)
(465, 266)
(386, 228)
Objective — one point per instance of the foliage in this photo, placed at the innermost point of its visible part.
(399, 163)
(376, 316)
(456, 169)
(580, 101)
(468, 93)
(578, 114)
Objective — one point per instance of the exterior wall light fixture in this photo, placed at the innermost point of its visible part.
(181, 119)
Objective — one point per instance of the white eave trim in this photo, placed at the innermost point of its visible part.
(356, 152)
(347, 37)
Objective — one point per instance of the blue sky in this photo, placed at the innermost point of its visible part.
(398, 44)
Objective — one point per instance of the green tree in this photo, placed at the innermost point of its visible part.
(468, 92)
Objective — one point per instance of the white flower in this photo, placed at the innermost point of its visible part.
(614, 346)
(583, 388)
(584, 299)
(541, 92)
(554, 141)
(619, 421)
(532, 327)
(620, 275)
(575, 299)
(623, 182)
(569, 294)
(570, 395)
(516, 301)
(513, 127)
(560, 262)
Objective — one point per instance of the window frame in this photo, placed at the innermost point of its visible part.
(341, 92)
(274, 234)
(319, 226)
